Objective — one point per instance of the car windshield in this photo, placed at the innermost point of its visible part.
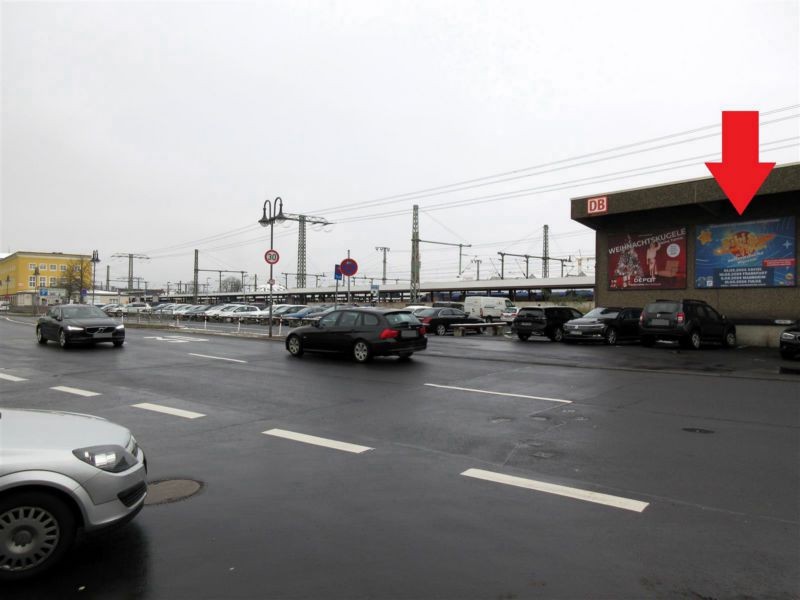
(401, 318)
(79, 311)
(602, 312)
(427, 312)
(663, 307)
(529, 312)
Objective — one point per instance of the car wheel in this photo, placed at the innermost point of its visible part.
(118, 343)
(406, 356)
(62, 339)
(729, 339)
(361, 352)
(440, 330)
(489, 319)
(36, 530)
(523, 336)
(558, 335)
(294, 346)
(648, 341)
(40, 336)
(611, 336)
(694, 340)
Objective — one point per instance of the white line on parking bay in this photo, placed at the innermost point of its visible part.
(217, 357)
(186, 414)
(317, 441)
(559, 490)
(463, 389)
(11, 377)
(76, 391)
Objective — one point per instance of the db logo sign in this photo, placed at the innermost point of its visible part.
(596, 206)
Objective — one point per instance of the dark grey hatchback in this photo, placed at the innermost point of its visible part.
(362, 333)
(79, 324)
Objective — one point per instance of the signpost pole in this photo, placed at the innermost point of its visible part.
(271, 280)
(348, 282)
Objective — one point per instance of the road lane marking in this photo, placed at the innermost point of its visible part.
(20, 322)
(217, 357)
(11, 377)
(463, 389)
(559, 490)
(317, 441)
(186, 414)
(76, 391)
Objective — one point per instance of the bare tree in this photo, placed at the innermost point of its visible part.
(78, 276)
(231, 284)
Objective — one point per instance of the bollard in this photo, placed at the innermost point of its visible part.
(205, 322)
(239, 326)
(280, 326)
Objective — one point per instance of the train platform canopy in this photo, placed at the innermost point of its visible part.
(686, 240)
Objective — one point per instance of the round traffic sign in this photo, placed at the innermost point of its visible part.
(272, 257)
(349, 267)
(271, 282)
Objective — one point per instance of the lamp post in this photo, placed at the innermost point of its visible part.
(270, 217)
(8, 280)
(36, 287)
(95, 260)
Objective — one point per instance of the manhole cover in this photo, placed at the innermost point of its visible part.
(697, 430)
(171, 490)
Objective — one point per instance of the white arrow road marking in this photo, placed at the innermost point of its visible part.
(11, 377)
(236, 360)
(317, 441)
(186, 414)
(559, 490)
(76, 391)
(463, 389)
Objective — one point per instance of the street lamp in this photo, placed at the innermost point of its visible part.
(95, 260)
(272, 213)
(36, 286)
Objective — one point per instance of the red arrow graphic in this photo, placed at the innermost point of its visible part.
(740, 174)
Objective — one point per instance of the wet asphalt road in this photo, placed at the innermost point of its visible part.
(280, 518)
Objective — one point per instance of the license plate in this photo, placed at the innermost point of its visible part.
(659, 322)
(102, 335)
(576, 332)
(408, 333)
(525, 323)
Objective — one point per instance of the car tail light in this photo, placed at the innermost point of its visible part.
(427, 319)
(423, 330)
(681, 317)
(388, 334)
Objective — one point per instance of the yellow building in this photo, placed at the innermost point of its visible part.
(27, 274)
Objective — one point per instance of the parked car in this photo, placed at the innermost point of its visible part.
(363, 333)
(181, 309)
(415, 307)
(441, 320)
(165, 309)
(690, 322)
(238, 312)
(78, 324)
(790, 342)
(611, 324)
(217, 312)
(111, 309)
(196, 312)
(287, 309)
(489, 308)
(136, 307)
(5, 305)
(61, 473)
(304, 312)
(456, 305)
(508, 314)
(548, 321)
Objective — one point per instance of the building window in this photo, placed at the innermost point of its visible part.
(52, 282)
(63, 281)
(32, 266)
(63, 268)
(42, 281)
(54, 267)
(42, 266)
(32, 281)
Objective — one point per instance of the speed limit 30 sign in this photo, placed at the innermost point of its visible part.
(272, 257)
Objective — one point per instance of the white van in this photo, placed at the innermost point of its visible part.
(486, 307)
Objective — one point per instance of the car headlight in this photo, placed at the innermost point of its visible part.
(73, 328)
(113, 459)
(120, 326)
(787, 336)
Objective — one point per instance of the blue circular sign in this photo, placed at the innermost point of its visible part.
(349, 267)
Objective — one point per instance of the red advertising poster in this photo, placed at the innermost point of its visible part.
(647, 261)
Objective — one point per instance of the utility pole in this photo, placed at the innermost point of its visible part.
(130, 256)
(301, 251)
(383, 249)
(196, 271)
(108, 278)
(478, 262)
(415, 258)
(460, 250)
(546, 252)
(95, 260)
(527, 258)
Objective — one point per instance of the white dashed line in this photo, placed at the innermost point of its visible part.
(463, 389)
(76, 391)
(217, 357)
(559, 490)
(317, 441)
(11, 377)
(186, 414)
(20, 322)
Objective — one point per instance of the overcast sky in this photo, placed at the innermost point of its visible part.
(152, 127)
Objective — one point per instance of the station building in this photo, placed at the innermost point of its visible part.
(686, 240)
(28, 278)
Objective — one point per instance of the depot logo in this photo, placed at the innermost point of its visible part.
(597, 206)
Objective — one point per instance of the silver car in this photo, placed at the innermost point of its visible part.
(60, 472)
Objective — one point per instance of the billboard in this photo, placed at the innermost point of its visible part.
(747, 254)
(647, 261)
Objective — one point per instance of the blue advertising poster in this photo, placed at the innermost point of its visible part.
(746, 254)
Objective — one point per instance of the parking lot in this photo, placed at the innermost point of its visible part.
(482, 468)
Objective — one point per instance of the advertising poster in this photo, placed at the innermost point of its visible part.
(647, 261)
(747, 254)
